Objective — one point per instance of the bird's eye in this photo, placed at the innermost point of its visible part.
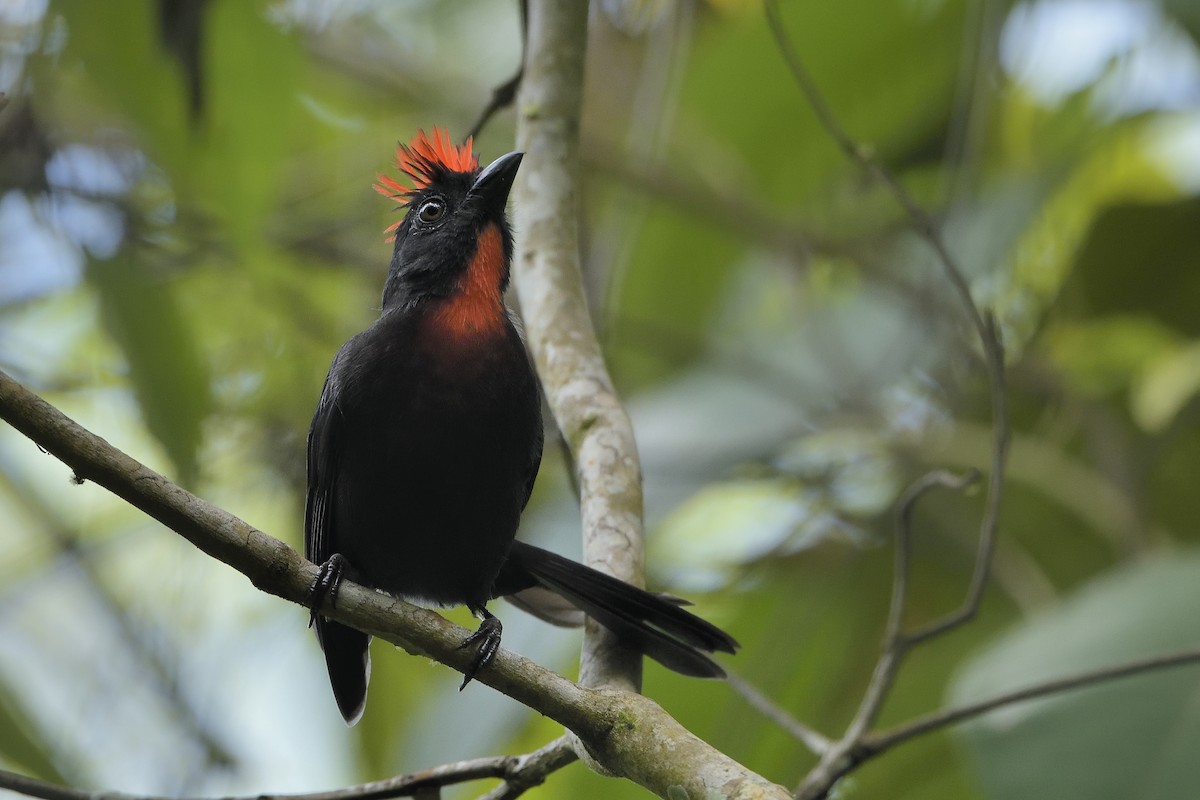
(431, 211)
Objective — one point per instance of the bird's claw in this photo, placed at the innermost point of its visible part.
(325, 585)
(486, 641)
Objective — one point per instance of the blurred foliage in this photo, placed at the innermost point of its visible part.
(187, 234)
(1052, 742)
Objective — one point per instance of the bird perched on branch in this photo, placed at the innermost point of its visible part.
(428, 435)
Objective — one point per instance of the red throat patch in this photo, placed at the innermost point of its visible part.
(476, 307)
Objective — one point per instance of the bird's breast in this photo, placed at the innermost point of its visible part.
(437, 458)
(474, 310)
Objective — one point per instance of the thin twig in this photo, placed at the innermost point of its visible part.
(844, 754)
(504, 94)
(904, 510)
(895, 643)
(531, 770)
(833, 763)
(518, 772)
(815, 741)
(32, 787)
(502, 97)
(968, 119)
(874, 744)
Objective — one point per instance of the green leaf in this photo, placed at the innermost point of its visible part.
(1167, 386)
(886, 69)
(1074, 239)
(228, 166)
(728, 524)
(170, 378)
(1132, 738)
(20, 746)
(1187, 14)
(1107, 355)
(1141, 258)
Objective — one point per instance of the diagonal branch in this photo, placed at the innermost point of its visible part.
(623, 732)
(872, 745)
(814, 740)
(877, 743)
(271, 565)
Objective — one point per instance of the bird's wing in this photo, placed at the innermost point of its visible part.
(324, 441)
(535, 389)
(347, 653)
(535, 462)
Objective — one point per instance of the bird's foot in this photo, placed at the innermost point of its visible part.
(486, 641)
(328, 580)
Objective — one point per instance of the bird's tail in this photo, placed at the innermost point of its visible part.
(348, 659)
(653, 623)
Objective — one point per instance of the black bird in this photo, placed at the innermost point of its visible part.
(428, 435)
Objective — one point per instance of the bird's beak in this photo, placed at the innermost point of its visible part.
(493, 184)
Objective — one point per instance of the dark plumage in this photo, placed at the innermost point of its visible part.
(425, 444)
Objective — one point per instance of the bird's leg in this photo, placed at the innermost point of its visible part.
(328, 580)
(485, 640)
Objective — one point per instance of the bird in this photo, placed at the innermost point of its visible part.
(428, 435)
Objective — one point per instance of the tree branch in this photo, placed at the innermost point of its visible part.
(271, 565)
(519, 773)
(875, 744)
(993, 350)
(814, 740)
(559, 327)
(625, 733)
(895, 642)
(831, 767)
(845, 754)
(532, 769)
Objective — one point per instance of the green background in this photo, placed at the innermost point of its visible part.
(791, 354)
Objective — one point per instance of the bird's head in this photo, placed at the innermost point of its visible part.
(453, 246)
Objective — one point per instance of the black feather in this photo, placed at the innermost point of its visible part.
(654, 623)
(427, 439)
